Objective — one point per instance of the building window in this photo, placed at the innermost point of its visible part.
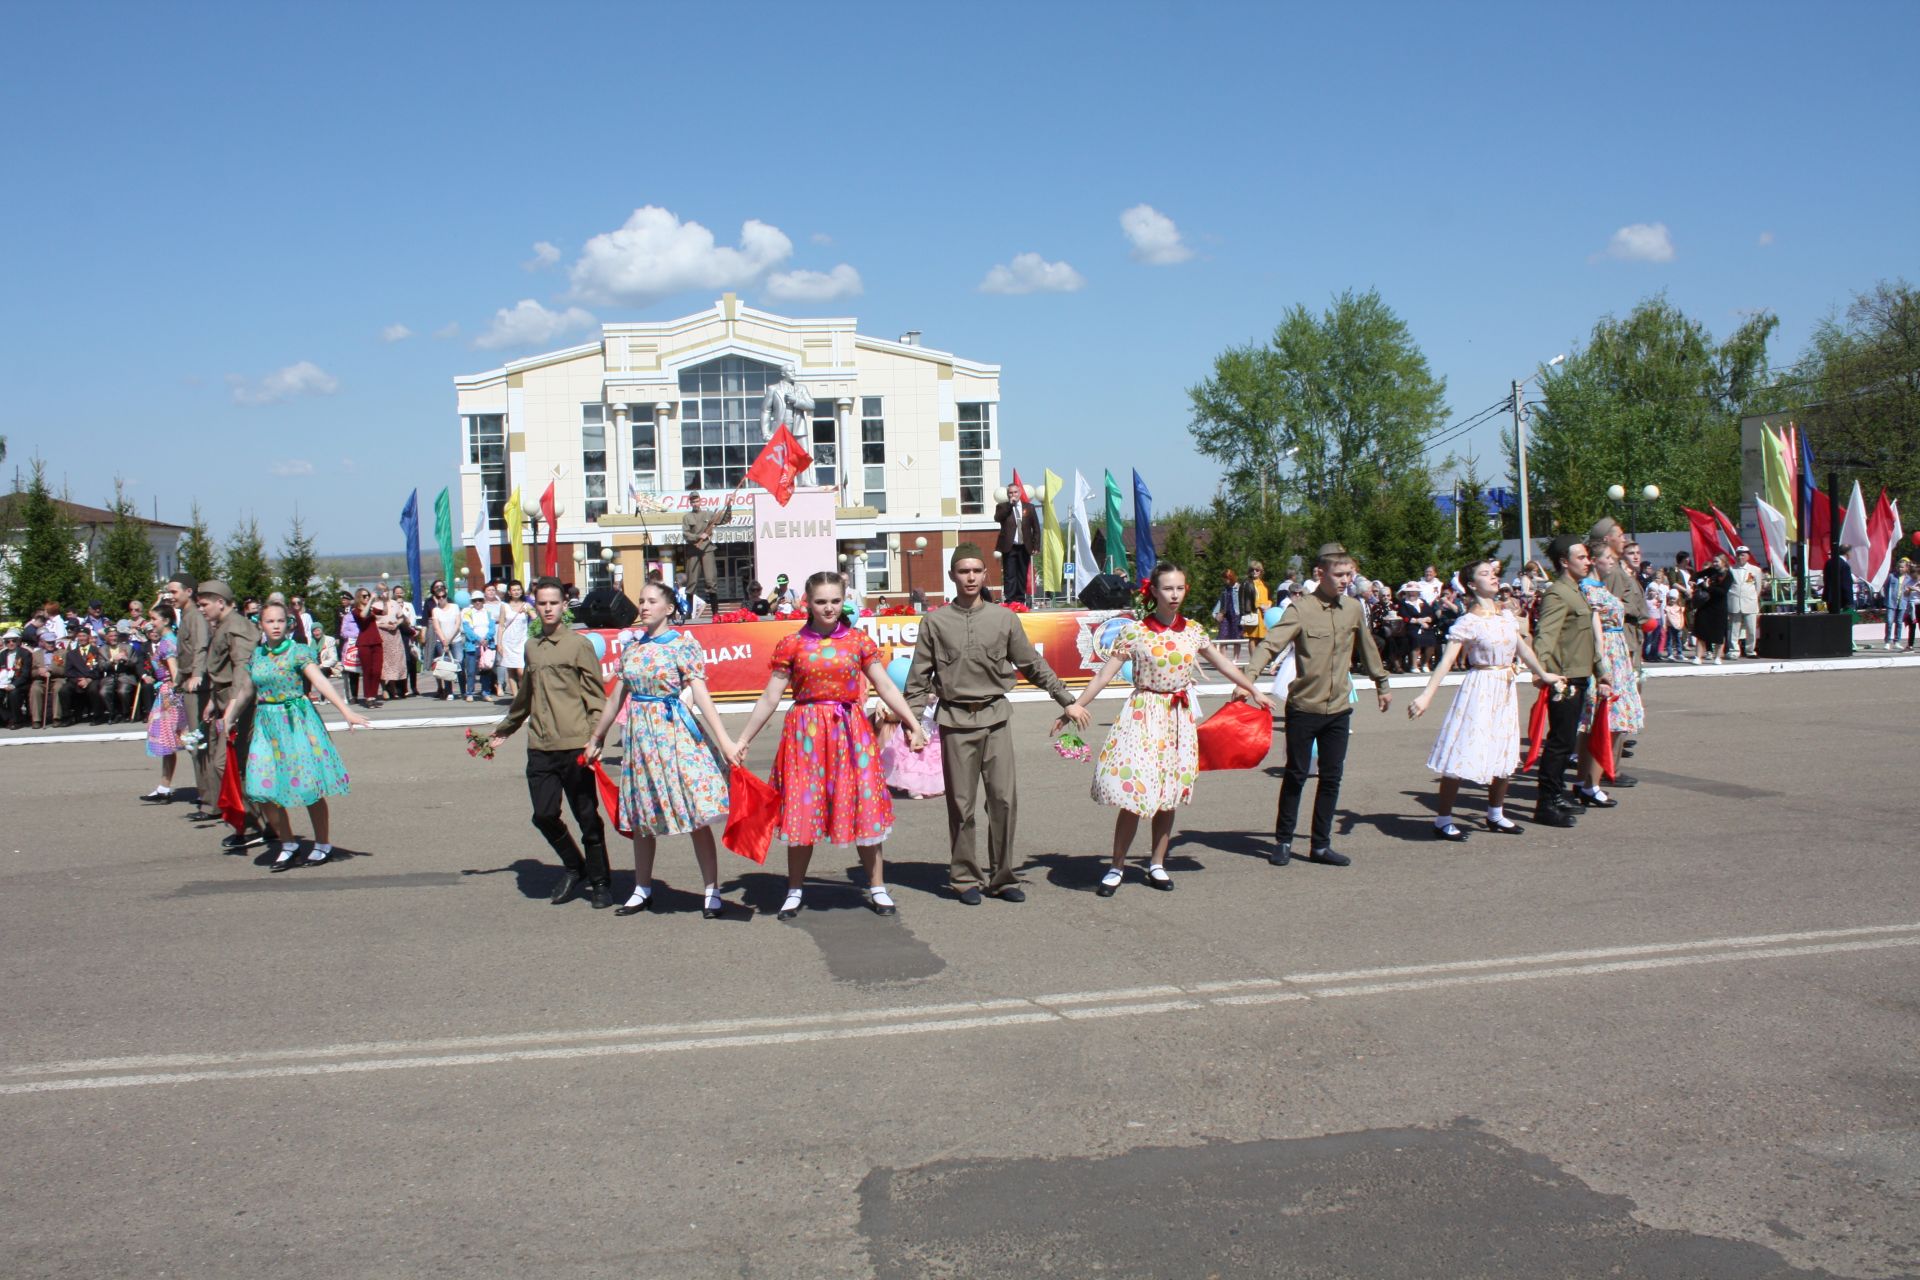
(873, 451)
(598, 572)
(593, 458)
(720, 420)
(826, 443)
(879, 570)
(976, 438)
(646, 448)
(487, 448)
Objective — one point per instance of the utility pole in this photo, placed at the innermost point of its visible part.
(1520, 454)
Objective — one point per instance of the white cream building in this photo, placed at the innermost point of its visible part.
(909, 435)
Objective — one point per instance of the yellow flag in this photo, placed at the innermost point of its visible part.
(516, 536)
(1053, 542)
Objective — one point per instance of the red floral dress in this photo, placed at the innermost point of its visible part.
(828, 767)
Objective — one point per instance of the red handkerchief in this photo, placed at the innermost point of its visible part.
(1237, 736)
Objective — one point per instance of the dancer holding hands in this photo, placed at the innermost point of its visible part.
(1480, 738)
(1148, 762)
(670, 780)
(827, 769)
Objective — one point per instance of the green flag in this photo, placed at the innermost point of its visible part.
(443, 534)
(1053, 542)
(1116, 517)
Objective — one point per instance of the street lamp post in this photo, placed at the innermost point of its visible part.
(1520, 457)
(1651, 493)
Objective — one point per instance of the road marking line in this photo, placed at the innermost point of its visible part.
(1600, 953)
(1126, 993)
(914, 1021)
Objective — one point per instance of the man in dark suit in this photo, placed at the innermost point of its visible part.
(1838, 580)
(1564, 643)
(1019, 535)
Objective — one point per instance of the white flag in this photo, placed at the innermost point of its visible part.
(482, 538)
(1084, 568)
(1853, 532)
(1773, 536)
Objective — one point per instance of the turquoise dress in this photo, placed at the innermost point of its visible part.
(290, 760)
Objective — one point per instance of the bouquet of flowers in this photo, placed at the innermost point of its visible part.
(194, 739)
(1017, 607)
(897, 609)
(737, 615)
(1071, 746)
(480, 744)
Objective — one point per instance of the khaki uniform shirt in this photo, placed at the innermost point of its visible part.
(560, 690)
(1564, 641)
(190, 633)
(968, 657)
(1326, 638)
(229, 653)
(1631, 593)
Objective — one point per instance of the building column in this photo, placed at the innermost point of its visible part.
(667, 462)
(843, 419)
(620, 460)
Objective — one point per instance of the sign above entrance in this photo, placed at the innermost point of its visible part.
(797, 539)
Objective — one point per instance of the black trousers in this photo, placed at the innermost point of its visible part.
(1563, 738)
(1306, 731)
(1018, 560)
(552, 775)
(89, 703)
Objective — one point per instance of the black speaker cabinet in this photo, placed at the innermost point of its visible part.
(1108, 591)
(1806, 635)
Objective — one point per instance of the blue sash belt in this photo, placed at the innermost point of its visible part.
(676, 710)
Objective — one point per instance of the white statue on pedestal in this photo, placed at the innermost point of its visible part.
(790, 405)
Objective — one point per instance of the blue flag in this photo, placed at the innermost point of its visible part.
(1144, 556)
(410, 526)
(1807, 489)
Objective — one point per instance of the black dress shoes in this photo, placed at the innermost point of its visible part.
(571, 883)
(1552, 815)
(1012, 893)
(1625, 780)
(600, 895)
(971, 897)
(1328, 858)
(1450, 832)
(1281, 856)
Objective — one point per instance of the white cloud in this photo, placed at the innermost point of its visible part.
(1641, 242)
(303, 379)
(655, 255)
(1766, 238)
(448, 330)
(814, 286)
(1156, 241)
(1030, 273)
(544, 256)
(527, 323)
(292, 467)
(821, 237)
(395, 333)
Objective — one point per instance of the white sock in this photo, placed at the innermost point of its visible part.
(287, 849)
(1497, 814)
(641, 892)
(1157, 872)
(793, 901)
(320, 852)
(163, 791)
(1114, 876)
(713, 897)
(879, 897)
(1443, 821)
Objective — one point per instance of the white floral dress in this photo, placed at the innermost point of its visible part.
(1480, 738)
(1152, 754)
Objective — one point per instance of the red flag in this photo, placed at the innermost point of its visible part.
(1819, 527)
(1537, 727)
(1600, 738)
(1706, 536)
(1731, 534)
(1027, 498)
(1883, 535)
(233, 792)
(547, 513)
(609, 793)
(1237, 736)
(779, 464)
(753, 807)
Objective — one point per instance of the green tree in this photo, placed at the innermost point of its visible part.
(1475, 535)
(125, 567)
(1334, 407)
(1862, 377)
(298, 565)
(46, 563)
(196, 549)
(1650, 399)
(245, 563)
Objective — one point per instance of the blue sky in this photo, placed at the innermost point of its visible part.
(216, 214)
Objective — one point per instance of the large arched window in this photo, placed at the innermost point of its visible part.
(720, 420)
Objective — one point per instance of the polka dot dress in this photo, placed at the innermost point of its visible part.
(827, 769)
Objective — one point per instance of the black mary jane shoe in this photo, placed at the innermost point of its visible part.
(1451, 832)
(1505, 828)
(886, 908)
(1107, 888)
(1595, 801)
(788, 913)
(288, 863)
(632, 908)
(712, 908)
(1162, 882)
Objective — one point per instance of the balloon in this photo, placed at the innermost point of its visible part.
(1916, 537)
(463, 597)
(1126, 672)
(599, 643)
(897, 670)
(1271, 617)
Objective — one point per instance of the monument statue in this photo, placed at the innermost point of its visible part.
(790, 405)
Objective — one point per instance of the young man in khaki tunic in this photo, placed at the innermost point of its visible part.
(967, 655)
(190, 632)
(560, 697)
(230, 643)
(1328, 631)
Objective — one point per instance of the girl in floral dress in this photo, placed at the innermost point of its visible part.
(827, 769)
(168, 719)
(290, 758)
(1480, 738)
(1626, 713)
(670, 780)
(1151, 756)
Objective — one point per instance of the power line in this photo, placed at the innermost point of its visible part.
(1455, 432)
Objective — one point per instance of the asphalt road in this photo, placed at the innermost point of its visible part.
(1681, 1040)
